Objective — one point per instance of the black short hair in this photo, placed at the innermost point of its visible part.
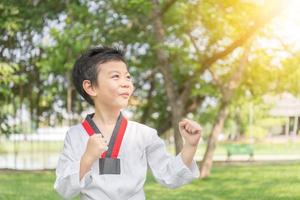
(86, 66)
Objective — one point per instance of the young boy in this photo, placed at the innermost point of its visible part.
(106, 156)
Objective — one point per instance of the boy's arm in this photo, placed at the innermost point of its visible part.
(67, 183)
(71, 168)
(191, 132)
(85, 165)
(95, 147)
(168, 170)
(187, 154)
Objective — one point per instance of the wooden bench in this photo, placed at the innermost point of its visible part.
(239, 149)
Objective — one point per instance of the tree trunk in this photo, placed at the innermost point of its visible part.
(227, 94)
(149, 102)
(239, 130)
(31, 110)
(69, 97)
(164, 67)
(176, 117)
(15, 132)
(212, 141)
(21, 94)
(38, 109)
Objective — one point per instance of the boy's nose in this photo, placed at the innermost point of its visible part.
(125, 85)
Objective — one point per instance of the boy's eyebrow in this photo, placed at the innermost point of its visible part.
(118, 72)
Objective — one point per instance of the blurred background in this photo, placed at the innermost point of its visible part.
(231, 65)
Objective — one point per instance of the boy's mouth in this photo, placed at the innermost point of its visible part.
(125, 94)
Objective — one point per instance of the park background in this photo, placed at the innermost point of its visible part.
(231, 65)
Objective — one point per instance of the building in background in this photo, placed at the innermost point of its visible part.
(288, 106)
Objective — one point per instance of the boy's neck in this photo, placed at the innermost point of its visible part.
(105, 116)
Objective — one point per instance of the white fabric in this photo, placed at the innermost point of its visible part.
(141, 147)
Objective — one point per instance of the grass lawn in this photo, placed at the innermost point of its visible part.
(290, 148)
(228, 182)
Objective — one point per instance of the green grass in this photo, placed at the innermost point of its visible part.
(228, 182)
(27, 185)
(31, 146)
(254, 182)
(290, 148)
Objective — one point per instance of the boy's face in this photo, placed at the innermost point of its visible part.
(114, 86)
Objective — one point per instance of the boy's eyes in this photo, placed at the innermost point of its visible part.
(115, 76)
(118, 76)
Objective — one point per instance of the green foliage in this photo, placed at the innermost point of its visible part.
(8, 74)
(50, 35)
(257, 132)
(250, 182)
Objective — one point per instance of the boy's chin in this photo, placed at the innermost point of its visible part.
(123, 105)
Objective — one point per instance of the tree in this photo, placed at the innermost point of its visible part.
(177, 99)
(182, 55)
(19, 28)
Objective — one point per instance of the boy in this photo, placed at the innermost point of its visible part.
(106, 157)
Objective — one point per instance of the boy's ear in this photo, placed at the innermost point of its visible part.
(88, 88)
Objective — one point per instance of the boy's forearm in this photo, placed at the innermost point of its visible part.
(85, 165)
(187, 154)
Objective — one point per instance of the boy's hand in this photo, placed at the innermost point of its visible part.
(96, 146)
(190, 131)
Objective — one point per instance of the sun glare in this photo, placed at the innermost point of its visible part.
(286, 27)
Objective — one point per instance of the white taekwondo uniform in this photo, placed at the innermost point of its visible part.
(141, 147)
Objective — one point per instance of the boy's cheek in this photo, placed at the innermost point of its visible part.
(132, 90)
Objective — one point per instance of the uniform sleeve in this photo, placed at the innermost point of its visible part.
(67, 182)
(168, 170)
